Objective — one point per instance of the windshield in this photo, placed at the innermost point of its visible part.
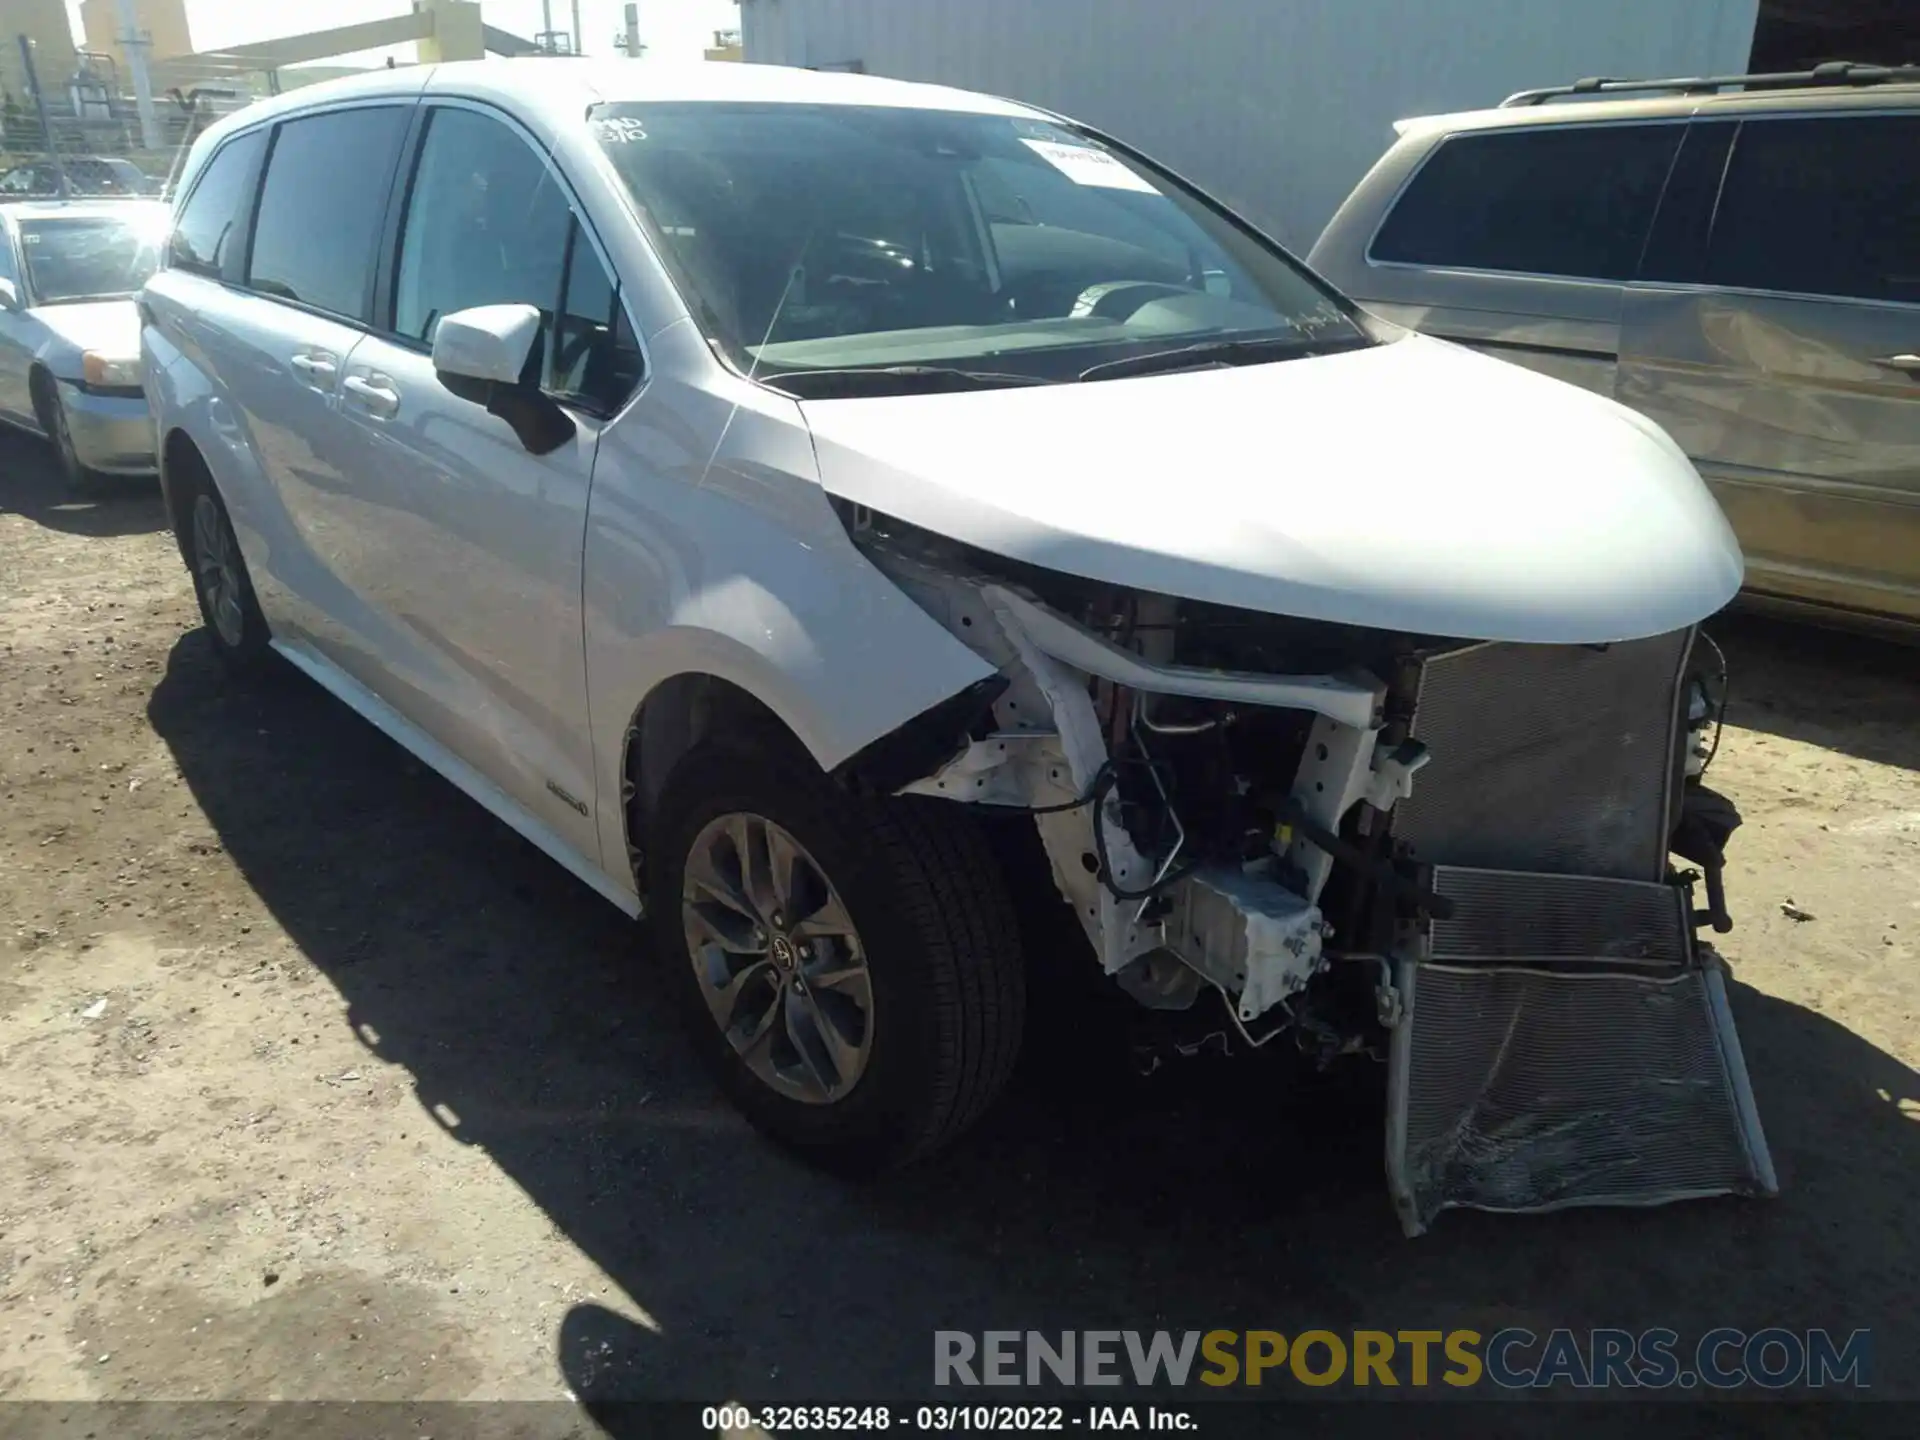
(846, 237)
(96, 258)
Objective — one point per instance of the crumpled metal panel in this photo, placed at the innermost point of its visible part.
(1555, 758)
(1525, 1090)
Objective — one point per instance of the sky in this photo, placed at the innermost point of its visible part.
(671, 29)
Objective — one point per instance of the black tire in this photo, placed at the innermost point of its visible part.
(942, 953)
(239, 634)
(52, 415)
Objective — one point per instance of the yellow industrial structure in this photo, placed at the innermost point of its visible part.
(438, 29)
(157, 65)
(154, 60)
(161, 23)
(44, 23)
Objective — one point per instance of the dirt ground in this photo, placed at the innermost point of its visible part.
(317, 1082)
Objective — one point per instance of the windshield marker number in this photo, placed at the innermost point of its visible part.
(620, 130)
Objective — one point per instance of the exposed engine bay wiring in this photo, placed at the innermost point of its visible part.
(1096, 793)
(1249, 844)
(1226, 802)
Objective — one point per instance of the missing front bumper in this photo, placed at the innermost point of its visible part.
(1581, 1052)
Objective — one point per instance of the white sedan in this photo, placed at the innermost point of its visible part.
(70, 334)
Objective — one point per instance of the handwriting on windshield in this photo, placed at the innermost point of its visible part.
(620, 130)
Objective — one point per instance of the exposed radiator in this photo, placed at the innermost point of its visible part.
(1513, 917)
(1557, 1048)
(1559, 1042)
(1554, 758)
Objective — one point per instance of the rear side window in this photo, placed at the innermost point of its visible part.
(1677, 249)
(30, 180)
(208, 227)
(1822, 207)
(1573, 200)
(321, 205)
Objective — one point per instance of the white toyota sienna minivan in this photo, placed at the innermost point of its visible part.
(815, 509)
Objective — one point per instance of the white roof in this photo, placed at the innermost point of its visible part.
(563, 88)
(561, 83)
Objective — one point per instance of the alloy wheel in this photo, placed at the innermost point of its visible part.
(779, 962)
(217, 567)
(62, 437)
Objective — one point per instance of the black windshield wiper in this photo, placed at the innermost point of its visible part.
(1223, 352)
(891, 380)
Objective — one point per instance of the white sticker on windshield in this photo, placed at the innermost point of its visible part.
(620, 130)
(1086, 166)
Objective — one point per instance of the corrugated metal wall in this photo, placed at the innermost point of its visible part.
(1278, 106)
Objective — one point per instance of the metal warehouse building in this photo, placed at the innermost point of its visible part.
(1279, 106)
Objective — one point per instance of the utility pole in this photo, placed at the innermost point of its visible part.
(548, 40)
(134, 43)
(577, 31)
(40, 108)
(629, 43)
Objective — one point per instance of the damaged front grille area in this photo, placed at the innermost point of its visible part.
(1450, 855)
(1559, 1039)
(1518, 1089)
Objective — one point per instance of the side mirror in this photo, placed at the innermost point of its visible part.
(480, 354)
(9, 295)
(488, 342)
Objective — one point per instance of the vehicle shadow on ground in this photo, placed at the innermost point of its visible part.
(523, 1009)
(1851, 693)
(30, 485)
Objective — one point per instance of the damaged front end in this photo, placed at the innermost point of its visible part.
(1454, 857)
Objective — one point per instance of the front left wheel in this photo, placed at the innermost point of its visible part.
(74, 476)
(850, 967)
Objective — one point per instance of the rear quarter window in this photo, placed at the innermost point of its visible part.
(1828, 205)
(1574, 200)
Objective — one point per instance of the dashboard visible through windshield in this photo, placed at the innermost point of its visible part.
(71, 260)
(845, 238)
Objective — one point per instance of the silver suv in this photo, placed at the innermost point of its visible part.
(1736, 258)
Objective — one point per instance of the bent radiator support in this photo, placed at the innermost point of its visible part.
(1560, 1039)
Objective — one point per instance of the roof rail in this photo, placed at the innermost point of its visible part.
(1836, 72)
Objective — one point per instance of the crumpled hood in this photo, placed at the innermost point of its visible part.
(109, 326)
(1412, 486)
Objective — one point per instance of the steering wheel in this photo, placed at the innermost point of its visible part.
(1119, 299)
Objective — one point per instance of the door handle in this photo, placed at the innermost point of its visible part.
(375, 392)
(315, 364)
(1908, 363)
